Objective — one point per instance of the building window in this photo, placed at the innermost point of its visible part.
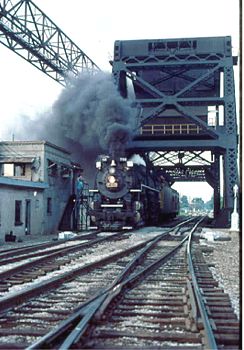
(18, 212)
(8, 169)
(13, 169)
(49, 206)
(19, 169)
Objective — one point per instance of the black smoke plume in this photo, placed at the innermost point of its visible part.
(89, 117)
(92, 112)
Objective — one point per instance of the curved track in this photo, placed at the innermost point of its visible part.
(32, 265)
(156, 306)
(138, 292)
(26, 314)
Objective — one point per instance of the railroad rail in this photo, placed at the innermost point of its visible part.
(39, 263)
(127, 316)
(44, 258)
(141, 287)
(27, 313)
(14, 252)
(129, 306)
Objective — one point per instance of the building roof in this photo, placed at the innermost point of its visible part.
(12, 143)
(7, 181)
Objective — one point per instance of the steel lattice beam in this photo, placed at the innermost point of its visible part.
(183, 166)
(177, 84)
(27, 31)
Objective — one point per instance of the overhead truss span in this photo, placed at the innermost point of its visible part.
(29, 32)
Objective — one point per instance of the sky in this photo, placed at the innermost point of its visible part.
(94, 26)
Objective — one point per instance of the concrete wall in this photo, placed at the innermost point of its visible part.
(9, 195)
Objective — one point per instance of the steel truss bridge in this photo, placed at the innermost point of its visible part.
(184, 89)
(27, 31)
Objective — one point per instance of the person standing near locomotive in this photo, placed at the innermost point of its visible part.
(79, 186)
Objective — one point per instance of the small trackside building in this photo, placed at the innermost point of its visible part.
(36, 182)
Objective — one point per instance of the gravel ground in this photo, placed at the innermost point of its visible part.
(27, 240)
(226, 256)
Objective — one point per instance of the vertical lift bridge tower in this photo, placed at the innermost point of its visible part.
(184, 89)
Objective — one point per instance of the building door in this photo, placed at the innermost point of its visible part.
(27, 216)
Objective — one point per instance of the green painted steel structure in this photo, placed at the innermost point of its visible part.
(29, 32)
(184, 90)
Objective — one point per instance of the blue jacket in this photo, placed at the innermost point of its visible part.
(80, 184)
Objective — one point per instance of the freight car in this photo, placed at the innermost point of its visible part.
(127, 195)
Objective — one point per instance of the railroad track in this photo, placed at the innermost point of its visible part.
(42, 263)
(217, 312)
(162, 303)
(29, 265)
(26, 315)
(16, 254)
(135, 294)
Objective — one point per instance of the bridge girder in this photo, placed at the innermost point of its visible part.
(29, 32)
(177, 84)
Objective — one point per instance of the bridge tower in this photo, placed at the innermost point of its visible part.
(184, 90)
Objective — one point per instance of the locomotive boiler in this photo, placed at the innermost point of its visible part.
(127, 195)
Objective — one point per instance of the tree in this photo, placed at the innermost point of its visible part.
(184, 202)
(197, 203)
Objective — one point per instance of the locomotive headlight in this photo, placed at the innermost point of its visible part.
(111, 179)
(111, 182)
(129, 163)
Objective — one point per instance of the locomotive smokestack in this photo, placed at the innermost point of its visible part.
(118, 135)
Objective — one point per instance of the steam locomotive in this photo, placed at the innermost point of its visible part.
(128, 195)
